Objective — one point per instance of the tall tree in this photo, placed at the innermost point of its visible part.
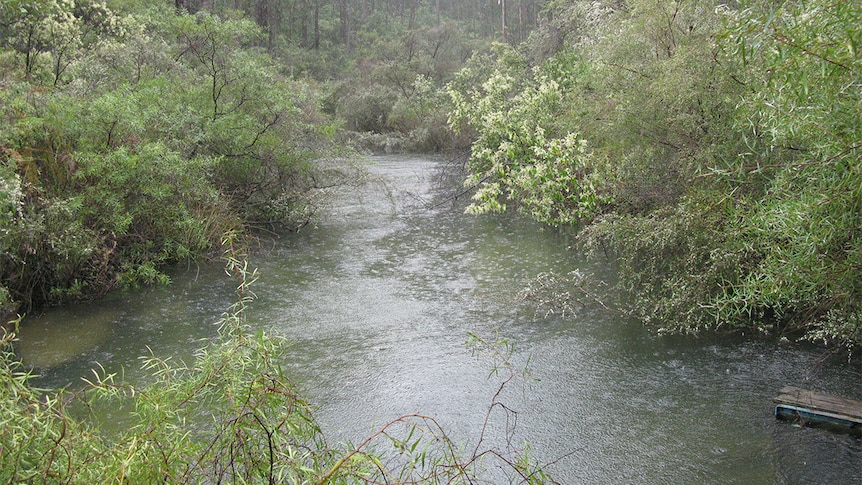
(503, 28)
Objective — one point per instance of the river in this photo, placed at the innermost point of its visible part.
(379, 297)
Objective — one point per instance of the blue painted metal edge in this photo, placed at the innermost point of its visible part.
(809, 416)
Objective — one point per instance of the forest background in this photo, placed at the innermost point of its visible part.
(712, 150)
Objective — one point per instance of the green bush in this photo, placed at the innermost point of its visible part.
(153, 139)
(723, 162)
(154, 205)
(123, 214)
(677, 262)
(526, 152)
(232, 415)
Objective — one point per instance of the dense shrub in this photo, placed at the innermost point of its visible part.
(155, 135)
(723, 161)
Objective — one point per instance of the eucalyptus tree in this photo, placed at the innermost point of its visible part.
(62, 28)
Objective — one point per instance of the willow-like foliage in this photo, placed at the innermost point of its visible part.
(724, 170)
(230, 416)
(801, 121)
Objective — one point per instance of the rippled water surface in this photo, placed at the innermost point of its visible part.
(379, 297)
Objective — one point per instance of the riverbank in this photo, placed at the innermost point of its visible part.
(378, 298)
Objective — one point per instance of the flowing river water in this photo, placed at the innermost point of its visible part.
(379, 298)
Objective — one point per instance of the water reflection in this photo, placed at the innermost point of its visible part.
(63, 344)
(64, 334)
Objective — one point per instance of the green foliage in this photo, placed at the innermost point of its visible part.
(395, 85)
(677, 262)
(150, 197)
(11, 197)
(30, 426)
(729, 187)
(62, 28)
(122, 213)
(524, 151)
(266, 130)
(802, 123)
(664, 102)
(421, 116)
(230, 416)
(805, 63)
(156, 142)
(636, 83)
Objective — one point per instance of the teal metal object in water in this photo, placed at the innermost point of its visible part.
(814, 408)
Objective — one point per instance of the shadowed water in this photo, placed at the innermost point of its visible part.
(379, 298)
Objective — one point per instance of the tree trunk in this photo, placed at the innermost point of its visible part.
(520, 20)
(503, 19)
(303, 24)
(344, 26)
(316, 24)
(412, 20)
